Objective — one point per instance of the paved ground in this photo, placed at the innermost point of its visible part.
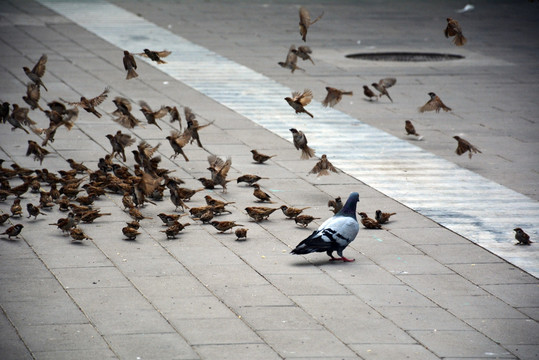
(416, 290)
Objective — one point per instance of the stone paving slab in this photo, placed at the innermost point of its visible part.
(417, 290)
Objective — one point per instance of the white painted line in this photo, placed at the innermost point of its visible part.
(470, 205)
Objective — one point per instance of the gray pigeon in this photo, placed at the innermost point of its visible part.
(335, 233)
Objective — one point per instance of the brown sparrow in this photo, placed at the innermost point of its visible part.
(383, 85)
(369, 223)
(241, 234)
(223, 226)
(453, 29)
(334, 96)
(323, 167)
(298, 101)
(383, 217)
(300, 142)
(464, 145)
(90, 104)
(434, 104)
(130, 65)
(304, 220)
(261, 158)
(522, 237)
(305, 21)
(14, 230)
(37, 71)
(155, 55)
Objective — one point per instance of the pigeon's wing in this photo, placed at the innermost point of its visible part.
(39, 68)
(163, 53)
(387, 82)
(100, 98)
(343, 229)
(306, 97)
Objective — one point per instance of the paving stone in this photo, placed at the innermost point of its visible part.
(146, 346)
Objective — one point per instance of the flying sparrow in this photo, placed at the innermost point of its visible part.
(119, 142)
(32, 96)
(123, 113)
(323, 167)
(193, 126)
(291, 60)
(151, 115)
(334, 96)
(383, 85)
(464, 145)
(177, 141)
(434, 104)
(36, 150)
(219, 170)
(299, 100)
(90, 104)
(305, 22)
(453, 29)
(155, 55)
(37, 71)
(300, 142)
(303, 52)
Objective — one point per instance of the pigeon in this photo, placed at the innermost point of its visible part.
(335, 233)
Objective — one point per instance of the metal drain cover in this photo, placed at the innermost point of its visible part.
(404, 56)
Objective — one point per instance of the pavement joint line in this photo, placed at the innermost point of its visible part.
(191, 63)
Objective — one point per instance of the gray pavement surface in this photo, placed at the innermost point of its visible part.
(416, 290)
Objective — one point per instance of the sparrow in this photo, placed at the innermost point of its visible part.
(410, 129)
(299, 100)
(3, 218)
(291, 60)
(261, 195)
(193, 126)
(304, 220)
(336, 204)
(453, 29)
(37, 71)
(464, 145)
(66, 224)
(130, 65)
(291, 212)
(63, 203)
(383, 85)
(369, 93)
(168, 219)
(300, 142)
(89, 216)
(305, 22)
(119, 142)
(207, 183)
(303, 52)
(177, 141)
(175, 196)
(249, 179)
(335, 233)
(21, 189)
(130, 233)
(223, 226)
(133, 224)
(90, 104)
(219, 170)
(174, 115)
(136, 214)
(32, 96)
(334, 96)
(215, 202)
(19, 117)
(4, 112)
(241, 234)
(261, 158)
(369, 223)
(151, 115)
(14, 230)
(155, 55)
(196, 212)
(259, 213)
(186, 194)
(434, 104)
(174, 229)
(16, 208)
(78, 235)
(36, 150)
(33, 211)
(205, 217)
(323, 167)
(383, 217)
(79, 167)
(123, 113)
(522, 237)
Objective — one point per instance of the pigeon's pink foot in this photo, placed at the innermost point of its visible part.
(343, 259)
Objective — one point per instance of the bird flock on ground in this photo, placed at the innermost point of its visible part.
(148, 182)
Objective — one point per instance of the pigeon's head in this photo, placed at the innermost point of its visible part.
(349, 208)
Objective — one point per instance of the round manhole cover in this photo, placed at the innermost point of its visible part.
(404, 56)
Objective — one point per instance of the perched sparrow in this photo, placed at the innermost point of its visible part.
(303, 52)
(20, 190)
(336, 204)
(464, 146)
(32, 96)
(291, 212)
(3, 218)
(334, 96)
(169, 219)
(383, 217)
(89, 216)
(241, 234)
(198, 211)
(66, 224)
(383, 85)
(130, 233)
(33, 211)
(323, 167)
(79, 167)
(193, 126)
(14, 230)
(410, 129)
(63, 203)
(522, 237)
(434, 104)
(207, 183)
(130, 65)
(369, 93)
(155, 55)
(299, 100)
(369, 223)
(151, 115)
(186, 194)
(78, 235)
(249, 179)
(19, 117)
(291, 60)
(223, 226)
(36, 150)
(90, 104)
(453, 29)
(300, 142)
(304, 220)
(175, 196)
(123, 113)
(16, 208)
(174, 229)
(214, 202)
(259, 213)
(177, 142)
(305, 21)
(219, 170)
(261, 195)
(37, 71)
(206, 216)
(133, 224)
(4, 112)
(261, 158)
(119, 142)
(136, 214)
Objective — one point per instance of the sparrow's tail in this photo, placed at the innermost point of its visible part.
(308, 113)
(161, 61)
(348, 93)
(459, 40)
(131, 73)
(307, 153)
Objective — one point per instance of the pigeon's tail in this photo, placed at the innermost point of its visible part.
(302, 249)
(307, 153)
